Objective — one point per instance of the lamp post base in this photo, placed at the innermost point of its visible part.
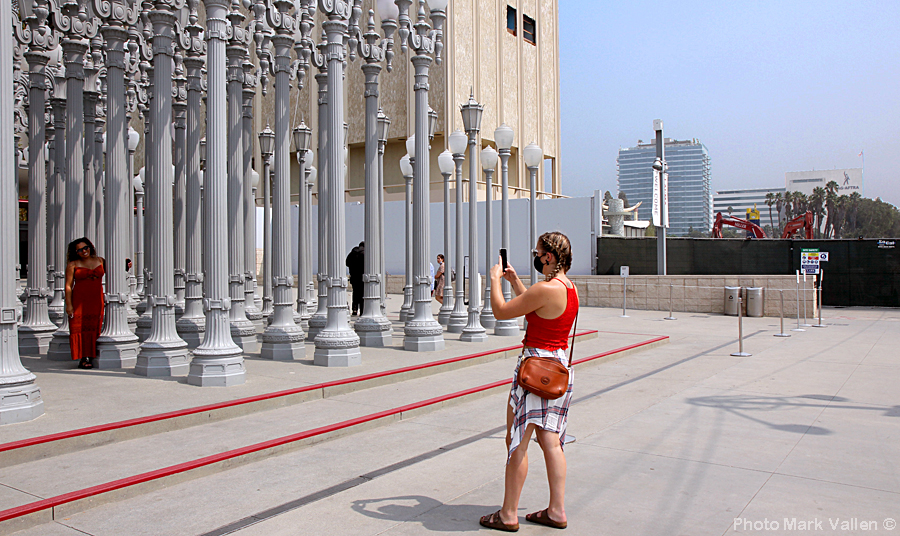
(443, 317)
(35, 341)
(337, 357)
(282, 344)
(144, 323)
(376, 332)
(161, 360)
(243, 333)
(506, 328)
(423, 336)
(59, 349)
(191, 330)
(316, 325)
(487, 320)
(217, 370)
(20, 403)
(116, 353)
(457, 322)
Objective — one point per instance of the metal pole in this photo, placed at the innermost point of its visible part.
(406, 308)
(820, 324)
(661, 230)
(740, 352)
(459, 316)
(782, 333)
(624, 293)
(217, 361)
(487, 314)
(474, 331)
(798, 328)
(319, 318)
(671, 316)
(804, 324)
(508, 327)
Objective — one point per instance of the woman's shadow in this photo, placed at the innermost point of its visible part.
(432, 514)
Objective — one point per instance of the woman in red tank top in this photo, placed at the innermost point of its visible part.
(84, 300)
(550, 308)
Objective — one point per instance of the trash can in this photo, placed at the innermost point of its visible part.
(731, 300)
(755, 301)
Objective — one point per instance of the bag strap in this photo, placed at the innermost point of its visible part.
(574, 334)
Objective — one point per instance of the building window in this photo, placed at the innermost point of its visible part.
(528, 31)
(511, 23)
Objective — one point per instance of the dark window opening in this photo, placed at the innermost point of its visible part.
(528, 30)
(511, 23)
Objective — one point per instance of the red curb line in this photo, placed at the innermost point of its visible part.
(240, 401)
(36, 506)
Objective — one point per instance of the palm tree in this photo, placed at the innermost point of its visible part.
(779, 204)
(816, 204)
(770, 200)
(830, 198)
(788, 205)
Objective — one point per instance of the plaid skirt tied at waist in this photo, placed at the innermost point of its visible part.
(528, 408)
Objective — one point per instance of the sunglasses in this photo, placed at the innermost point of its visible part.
(83, 249)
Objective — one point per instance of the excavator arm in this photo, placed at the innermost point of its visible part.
(735, 222)
(802, 222)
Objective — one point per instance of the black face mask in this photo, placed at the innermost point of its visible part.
(538, 265)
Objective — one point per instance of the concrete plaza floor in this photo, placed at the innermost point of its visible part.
(683, 438)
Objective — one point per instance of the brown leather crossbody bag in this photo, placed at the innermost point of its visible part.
(546, 377)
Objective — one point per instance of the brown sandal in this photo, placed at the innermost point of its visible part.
(543, 518)
(493, 521)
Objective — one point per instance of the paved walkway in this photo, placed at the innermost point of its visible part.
(678, 439)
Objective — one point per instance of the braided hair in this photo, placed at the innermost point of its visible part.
(557, 244)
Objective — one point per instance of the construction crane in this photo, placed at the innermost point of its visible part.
(721, 220)
(804, 221)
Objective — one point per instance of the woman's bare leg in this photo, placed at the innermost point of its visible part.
(556, 473)
(516, 472)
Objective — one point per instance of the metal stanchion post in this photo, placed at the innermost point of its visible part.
(740, 352)
(624, 289)
(782, 333)
(820, 324)
(671, 316)
(804, 324)
(798, 328)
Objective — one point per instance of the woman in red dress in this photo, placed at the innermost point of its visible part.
(84, 300)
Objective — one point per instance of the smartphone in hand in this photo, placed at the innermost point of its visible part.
(503, 261)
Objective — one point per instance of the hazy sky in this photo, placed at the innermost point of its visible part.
(768, 87)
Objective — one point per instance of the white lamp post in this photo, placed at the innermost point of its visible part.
(406, 167)
(488, 164)
(533, 156)
(445, 163)
(458, 142)
(504, 135)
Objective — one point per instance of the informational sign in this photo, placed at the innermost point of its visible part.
(659, 205)
(823, 256)
(809, 261)
(623, 271)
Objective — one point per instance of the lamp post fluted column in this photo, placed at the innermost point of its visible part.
(307, 252)
(253, 313)
(445, 162)
(179, 110)
(91, 96)
(373, 328)
(243, 332)
(192, 323)
(459, 316)
(336, 344)
(56, 190)
(318, 320)
(406, 169)
(163, 353)
(218, 360)
(505, 136)
(532, 154)
(268, 308)
(36, 329)
(20, 397)
(117, 346)
(302, 134)
(471, 112)
(489, 162)
(283, 339)
(423, 332)
(384, 123)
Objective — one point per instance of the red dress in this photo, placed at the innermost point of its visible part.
(87, 302)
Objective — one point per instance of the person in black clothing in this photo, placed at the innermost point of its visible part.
(356, 263)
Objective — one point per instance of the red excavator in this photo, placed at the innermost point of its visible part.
(804, 221)
(721, 220)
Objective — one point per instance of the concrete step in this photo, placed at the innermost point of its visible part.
(66, 483)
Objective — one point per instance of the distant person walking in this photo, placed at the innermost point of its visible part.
(550, 307)
(84, 300)
(439, 280)
(356, 264)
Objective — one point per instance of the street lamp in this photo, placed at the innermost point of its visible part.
(533, 156)
(266, 146)
(504, 135)
(471, 116)
(457, 142)
(488, 164)
(406, 168)
(302, 135)
(384, 124)
(445, 163)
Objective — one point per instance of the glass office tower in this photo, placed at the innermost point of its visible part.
(690, 196)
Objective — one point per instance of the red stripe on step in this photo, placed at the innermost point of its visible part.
(240, 401)
(37, 506)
